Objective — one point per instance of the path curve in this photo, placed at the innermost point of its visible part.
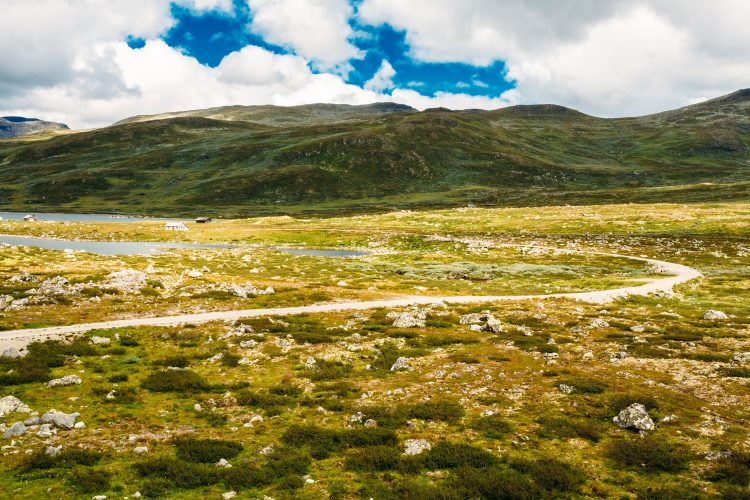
(679, 274)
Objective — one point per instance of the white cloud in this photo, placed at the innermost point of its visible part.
(382, 79)
(315, 29)
(607, 58)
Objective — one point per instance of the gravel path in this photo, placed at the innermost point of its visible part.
(678, 274)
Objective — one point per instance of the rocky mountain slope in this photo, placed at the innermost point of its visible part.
(318, 158)
(18, 126)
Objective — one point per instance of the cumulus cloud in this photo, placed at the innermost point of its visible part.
(382, 79)
(318, 30)
(608, 58)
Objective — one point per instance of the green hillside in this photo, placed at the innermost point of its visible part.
(322, 158)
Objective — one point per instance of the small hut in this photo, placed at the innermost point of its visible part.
(175, 226)
(30, 218)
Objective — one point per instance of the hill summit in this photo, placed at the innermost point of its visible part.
(19, 126)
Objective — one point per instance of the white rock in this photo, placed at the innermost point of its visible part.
(416, 446)
(634, 416)
(266, 451)
(370, 423)
(79, 425)
(99, 497)
(741, 357)
(599, 323)
(194, 273)
(197, 407)
(256, 419)
(565, 388)
(45, 431)
(713, 314)
(637, 329)
(51, 451)
(140, 450)
(223, 463)
(9, 404)
(228, 495)
(100, 340)
(401, 363)
(15, 430)
(66, 380)
(60, 419)
(408, 320)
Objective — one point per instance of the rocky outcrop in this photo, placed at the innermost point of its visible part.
(416, 446)
(60, 419)
(18, 126)
(66, 380)
(10, 404)
(715, 315)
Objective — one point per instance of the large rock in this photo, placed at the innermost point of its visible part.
(127, 281)
(5, 301)
(484, 321)
(60, 419)
(401, 363)
(24, 277)
(100, 340)
(416, 446)
(409, 320)
(15, 430)
(713, 314)
(54, 286)
(66, 380)
(636, 417)
(9, 404)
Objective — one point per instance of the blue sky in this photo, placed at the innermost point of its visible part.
(209, 36)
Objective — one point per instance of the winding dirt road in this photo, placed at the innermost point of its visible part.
(678, 274)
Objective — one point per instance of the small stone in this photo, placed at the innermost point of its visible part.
(599, 323)
(309, 481)
(713, 314)
(228, 495)
(634, 416)
(223, 463)
(256, 419)
(60, 419)
(100, 340)
(637, 329)
(51, 451)
(266, 451)
(197, 407)
(111, 395)
(408, 320)
(99, 497)
(416, 446)
(137, 494)
(140, 450)
(45, 431)
(79, 425)
(370, 423)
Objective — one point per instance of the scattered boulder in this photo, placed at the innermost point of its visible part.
(5, 301)
(194, 273)
(599, 323)
(51, 451)
(100, 340)
(223, 463)
(566, 389)
(636, 417)
(9, 404)
(741, 357)
(79, 425)
(54, 286)
(228, 495)
(24, 277)
(266, 451)
(416, 446)
(45, 431)
(713, 314)
(371, 423)
(637, 329)
(127, 280)
(401, 363)
(66, 380)
(140, 450)
(60, 419)
(15, 430)
(409, 320)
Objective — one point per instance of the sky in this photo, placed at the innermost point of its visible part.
(89, 63)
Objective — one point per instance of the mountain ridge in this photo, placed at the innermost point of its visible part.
(338, 158)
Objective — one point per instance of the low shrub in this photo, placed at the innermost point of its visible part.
(568, 428)
(552, 474)
(493, 427)
(206, 450)
(272, 404)
(321, 441)
(286, 390)
(118, 377)
(446, 411)
(68, 457)
(90, 480)
(494, 482)
(179, 361)
(445, 455)
(128, 341)
(620, 401)
(464, 358)
(312, 338)
(178, 473)
(735, 371)
(648, 454)
(375, 458)
(329, 370)
(444, 340)
(230, 359)
(584, 385)
(175, 381)
(734, 469)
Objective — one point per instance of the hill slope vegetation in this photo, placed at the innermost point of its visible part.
(319, 158)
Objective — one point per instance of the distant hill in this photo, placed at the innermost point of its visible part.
(18, 126)
(325, 158)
